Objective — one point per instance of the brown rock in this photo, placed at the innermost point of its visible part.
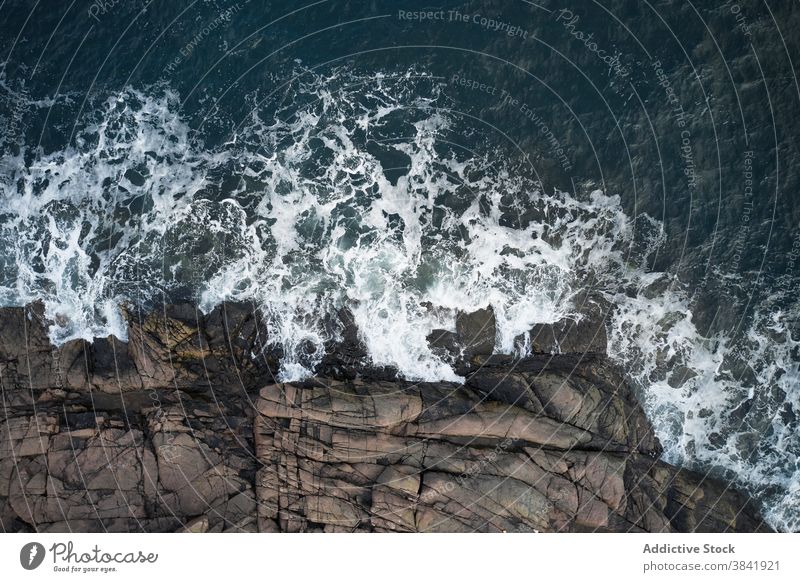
(183, 429)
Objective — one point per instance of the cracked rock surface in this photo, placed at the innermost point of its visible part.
(184, 428)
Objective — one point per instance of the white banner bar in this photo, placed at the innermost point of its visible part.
(349, 557)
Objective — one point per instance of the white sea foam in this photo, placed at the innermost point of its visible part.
(138, 210)
(724, 405)
(71, 226)
(403, 255)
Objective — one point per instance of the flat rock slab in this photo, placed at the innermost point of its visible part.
(184, 428)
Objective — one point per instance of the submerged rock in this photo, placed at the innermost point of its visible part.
(184, 428)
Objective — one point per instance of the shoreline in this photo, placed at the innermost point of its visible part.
(180, 429)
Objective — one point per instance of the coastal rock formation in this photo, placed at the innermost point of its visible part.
(184, 427)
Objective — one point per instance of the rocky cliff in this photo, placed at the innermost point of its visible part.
(184, 428)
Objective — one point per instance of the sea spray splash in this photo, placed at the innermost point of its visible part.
(354, 195)
(403, 250)
(724, 404)
(85, 226)
(348, 196)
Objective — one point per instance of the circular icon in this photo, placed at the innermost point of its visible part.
(31, 555)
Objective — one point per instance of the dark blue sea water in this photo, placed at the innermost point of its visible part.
(408, 160)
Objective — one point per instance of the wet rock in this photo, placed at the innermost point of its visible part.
(29, 363)
(444, 344)
(568, 336)
(583, 334)
(476, 331)
(505, 386)
(113, 369)
(168, 347)
(185, 429)
(237, 337)
(346, 358)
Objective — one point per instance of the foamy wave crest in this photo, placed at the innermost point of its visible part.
(360, 200)
(363, 193)
(724, 404)
(84, 229)
(357, 194)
